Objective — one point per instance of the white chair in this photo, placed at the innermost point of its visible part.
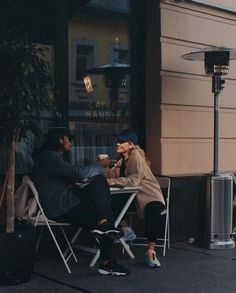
(42, 221)
(165, 183)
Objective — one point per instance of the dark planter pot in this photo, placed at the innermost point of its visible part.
(17, 255)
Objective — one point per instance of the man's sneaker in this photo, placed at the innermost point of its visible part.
(113, 234)
(152, 262)
(106, 230)
(112, 268)
(129, 235)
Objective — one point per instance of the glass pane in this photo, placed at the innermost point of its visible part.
(81, 66)
(95, 117)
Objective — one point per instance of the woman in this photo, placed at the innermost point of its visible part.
(132, 170)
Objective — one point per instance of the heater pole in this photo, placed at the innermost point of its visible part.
(217, 86)
(216, 132)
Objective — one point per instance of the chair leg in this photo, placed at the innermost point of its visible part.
(165, 235)
(168, 232)
(72, 241)
(69, 246)
(59, 249)
(125, 246)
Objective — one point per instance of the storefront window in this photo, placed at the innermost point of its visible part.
(97, 36)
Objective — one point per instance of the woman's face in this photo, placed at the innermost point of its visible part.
(123, 147)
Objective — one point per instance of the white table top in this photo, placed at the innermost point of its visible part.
(125, 189)
(114, 190)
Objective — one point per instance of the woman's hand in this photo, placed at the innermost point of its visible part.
(105, 162)
(110, 181)
(108, 173)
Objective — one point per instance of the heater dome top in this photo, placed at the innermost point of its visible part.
(201, 54)
(216, 59)
(113, 68)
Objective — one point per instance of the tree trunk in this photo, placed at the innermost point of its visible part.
(3, 204)
(10, 186)
(3, 190)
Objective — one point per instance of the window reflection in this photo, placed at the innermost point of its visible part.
(97, 36)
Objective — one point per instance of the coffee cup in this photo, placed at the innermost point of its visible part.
(103, 156)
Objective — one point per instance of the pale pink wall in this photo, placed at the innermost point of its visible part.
(185, 101)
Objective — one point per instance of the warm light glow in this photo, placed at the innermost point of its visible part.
(88, 83)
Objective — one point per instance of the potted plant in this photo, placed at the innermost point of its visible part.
(26, 86)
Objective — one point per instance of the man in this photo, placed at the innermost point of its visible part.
(85, 205)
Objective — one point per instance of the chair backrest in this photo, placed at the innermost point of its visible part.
(35, 193)
(164, 183)
(31, 209)
(25, 203)
(41, 217)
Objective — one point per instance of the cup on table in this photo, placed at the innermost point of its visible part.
(103, 156)
(104, 160)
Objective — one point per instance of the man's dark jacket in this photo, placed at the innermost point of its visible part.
(54, 178)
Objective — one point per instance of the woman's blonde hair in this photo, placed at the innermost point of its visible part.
(137, 147)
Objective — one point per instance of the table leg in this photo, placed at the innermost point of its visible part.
(125, 208)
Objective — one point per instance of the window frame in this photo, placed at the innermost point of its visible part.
(74, 84)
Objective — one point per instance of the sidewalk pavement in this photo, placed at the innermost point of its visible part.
(185, 268)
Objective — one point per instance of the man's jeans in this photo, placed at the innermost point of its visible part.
(95, 204)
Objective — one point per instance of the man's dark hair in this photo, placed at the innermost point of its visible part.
(52, 138)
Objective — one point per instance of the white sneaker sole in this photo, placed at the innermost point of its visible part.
(153, 266)
(152, 263)
(113, 234)
(103, 272)
(126, 238)
(105, 232)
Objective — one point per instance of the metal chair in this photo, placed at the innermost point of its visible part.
(165, 183)
(42, 221)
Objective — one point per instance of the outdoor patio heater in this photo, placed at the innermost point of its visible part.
(219, 197)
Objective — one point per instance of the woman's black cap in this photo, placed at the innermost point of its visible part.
(127, 136)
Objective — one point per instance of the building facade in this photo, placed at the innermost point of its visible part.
(167, 100)
(183, 99)
(170, 100)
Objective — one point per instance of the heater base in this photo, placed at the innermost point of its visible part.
(218, 244)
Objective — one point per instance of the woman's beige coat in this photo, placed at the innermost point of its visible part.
(137, 172)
